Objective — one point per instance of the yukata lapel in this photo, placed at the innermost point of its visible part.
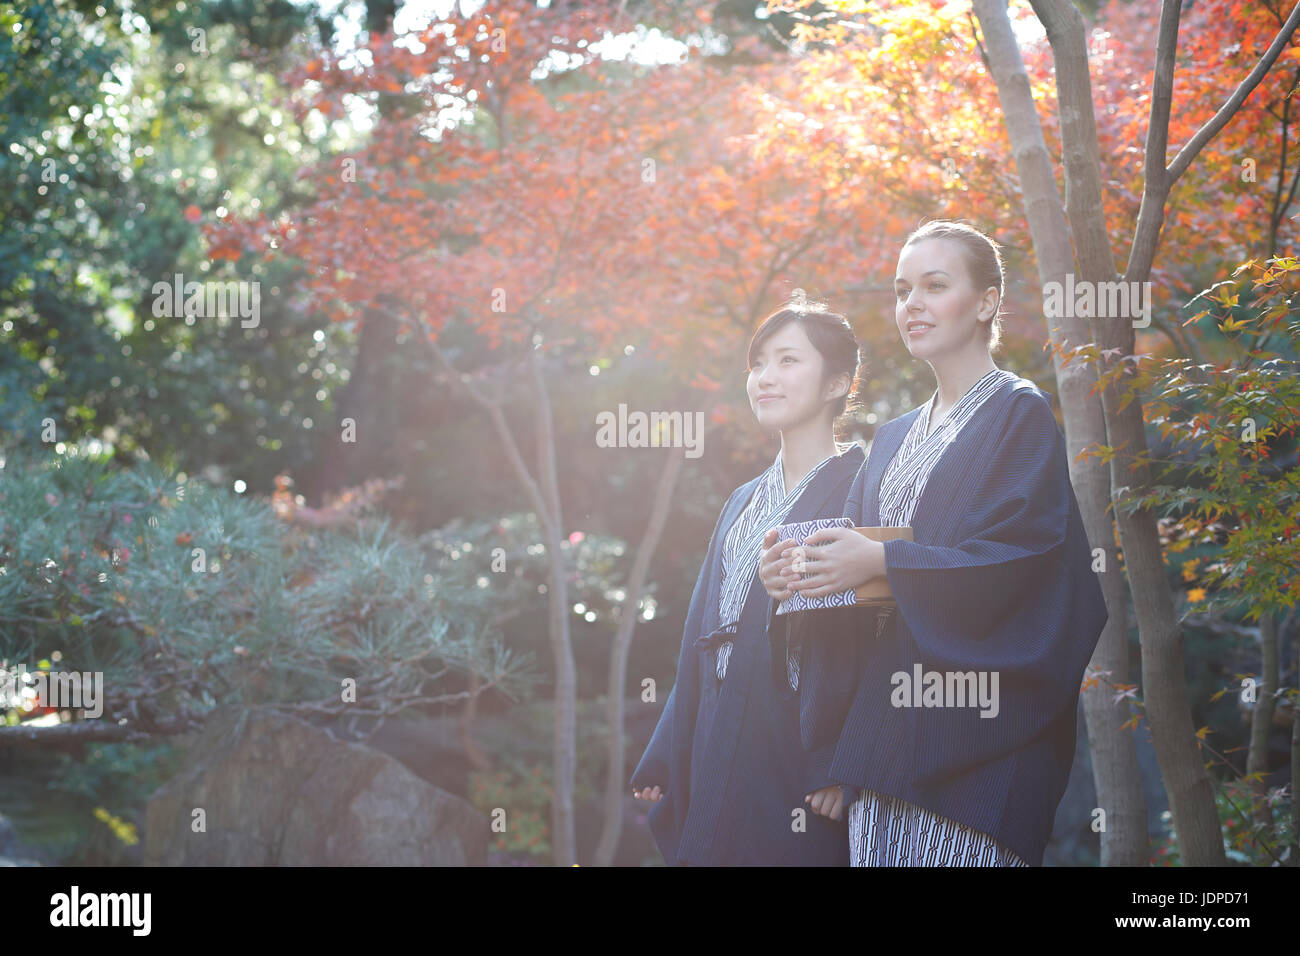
(813, 499)
(809, 506)
(932, 523)
(758, 605)
(883, 449)
(713, 592)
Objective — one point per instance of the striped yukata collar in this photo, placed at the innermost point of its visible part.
(841, 448)
(766, 506)
(742, 546)
(906, 474)
(966, 405)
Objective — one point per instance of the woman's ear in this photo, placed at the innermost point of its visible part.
(839, 386)
(989, 304)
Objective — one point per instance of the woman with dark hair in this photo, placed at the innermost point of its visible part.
(725, 769)
(959, 734)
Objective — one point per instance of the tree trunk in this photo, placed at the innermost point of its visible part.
(1114, 755)
(566, 672)
(616, 785)
(565, 723)
(1164, 675)
(1295, 762)
(1261, 719)
(545, 500)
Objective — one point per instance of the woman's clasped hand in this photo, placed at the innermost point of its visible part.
(828, 562)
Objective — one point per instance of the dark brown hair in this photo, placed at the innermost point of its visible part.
(983, 261)
(831, 335)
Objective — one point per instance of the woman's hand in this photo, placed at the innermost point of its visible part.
(774, 565)
(834, 560)
(649, 793)
(828, 801)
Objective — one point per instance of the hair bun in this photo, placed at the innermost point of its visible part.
(799, 302)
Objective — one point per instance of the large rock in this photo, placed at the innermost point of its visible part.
(278, 791)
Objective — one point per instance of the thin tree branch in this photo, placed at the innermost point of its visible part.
(1229, 109)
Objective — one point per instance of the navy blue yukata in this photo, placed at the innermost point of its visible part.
(727, 752)
(998, 578)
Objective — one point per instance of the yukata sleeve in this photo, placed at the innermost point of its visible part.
(855, 500)
(676, 724)
(829, 660)
(655, 768)
(819, 775)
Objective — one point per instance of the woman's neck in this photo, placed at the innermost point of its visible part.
(956, 375)
(803, 448)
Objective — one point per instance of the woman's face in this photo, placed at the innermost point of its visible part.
(785, 380)
(937, 308)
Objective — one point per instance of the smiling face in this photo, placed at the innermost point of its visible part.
(937, 308)
(785, 384)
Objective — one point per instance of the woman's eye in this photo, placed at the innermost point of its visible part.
(789, 358)
(901, 293)
(937, 286)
